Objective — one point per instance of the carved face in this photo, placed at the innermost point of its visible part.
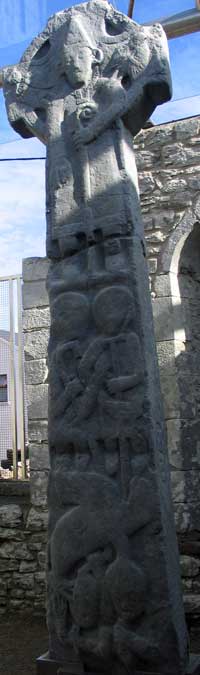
(77, 64)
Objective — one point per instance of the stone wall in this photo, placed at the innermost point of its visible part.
(22, 551)
(23, 509)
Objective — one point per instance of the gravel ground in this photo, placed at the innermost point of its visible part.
(21, 642)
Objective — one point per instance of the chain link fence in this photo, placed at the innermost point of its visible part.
(13, 418)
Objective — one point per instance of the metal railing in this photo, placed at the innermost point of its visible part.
(12, 391)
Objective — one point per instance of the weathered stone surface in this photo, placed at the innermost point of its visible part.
(145, 159)
(107, 505)
(166, 356)
(39, 457)
(16, 604)
(186, 517)
(170, 394)
(162, 286)
(37, 401)
(17, 593)
(35, 294)
(7, 565)
(36, 318)
(157, 219)
(25, 581)
(174, 443)
(35, 269)
(4, 586)
(28, 566)
(35, 344)
(37, 520)
(188, 402)
(13, 550)
(10, 533)
(152, 249)
(190, 443)
(36, 546)
(190, 567)
(192, 603)
(185, 485)
(3, 593)
(175, 185)
(179, 154)
(38, 431)
(42, 556)
(189, 544)
(40, 577)
(193, 182)
(152, 265)
(39, 481)
(146, 182)
(10, 515)
(185, 131)
(163, 319)
(159, 135)
(36, 371)
(155, 237)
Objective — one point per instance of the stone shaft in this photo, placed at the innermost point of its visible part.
(85, 87)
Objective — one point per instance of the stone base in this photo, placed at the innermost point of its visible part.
(46, 666)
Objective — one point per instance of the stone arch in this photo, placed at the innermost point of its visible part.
(172, 320)
(170, 253)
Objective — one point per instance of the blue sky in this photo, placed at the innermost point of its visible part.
(22, 220)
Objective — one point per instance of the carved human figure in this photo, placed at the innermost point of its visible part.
(110, 369)
(76, 84)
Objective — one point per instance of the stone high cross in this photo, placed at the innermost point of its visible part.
(85, 87)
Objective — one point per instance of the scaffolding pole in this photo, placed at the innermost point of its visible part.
(13, 382)
(21, 380)
(178, 25)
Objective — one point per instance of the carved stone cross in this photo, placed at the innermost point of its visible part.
(85, 87)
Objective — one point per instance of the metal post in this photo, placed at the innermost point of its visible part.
(13, 382)
(131, 8)
(180, 24)
(21, 379)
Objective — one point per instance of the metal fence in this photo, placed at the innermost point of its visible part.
(13, 421)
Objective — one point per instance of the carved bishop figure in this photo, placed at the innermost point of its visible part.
(85, 87)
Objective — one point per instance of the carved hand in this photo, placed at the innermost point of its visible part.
(82, 136)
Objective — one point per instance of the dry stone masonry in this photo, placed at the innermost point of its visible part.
(85, 87)
(22, 551)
